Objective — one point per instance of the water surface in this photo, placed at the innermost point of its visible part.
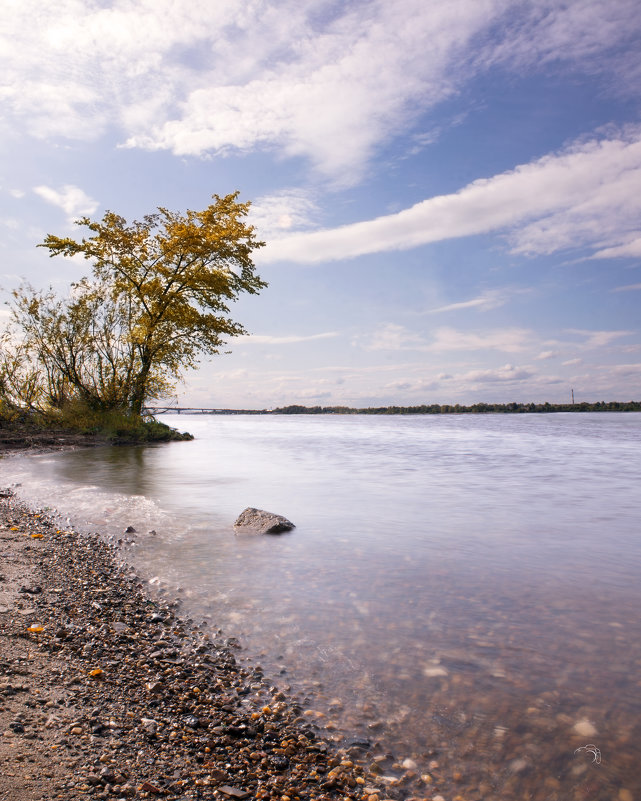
(459, 590)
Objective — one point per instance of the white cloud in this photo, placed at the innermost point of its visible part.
(314, 79)
(547, 354)
(328, 88)
(396, 338)
(578, 31)
(71, 199)
(264, 339)
(290, 209)
(485, 302)
(599, 339)
(507, 373)
(627, 288)
(392, 337)
(572, 362)
(584, 196)
(509, 340)
(630, 249)
(625, 369)
(422, 385)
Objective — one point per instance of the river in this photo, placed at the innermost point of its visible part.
(461, 592)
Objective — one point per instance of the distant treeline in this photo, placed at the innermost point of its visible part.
(477, 408)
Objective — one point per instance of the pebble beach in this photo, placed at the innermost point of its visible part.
(107, 693)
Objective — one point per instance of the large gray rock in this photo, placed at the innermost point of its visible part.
(258, 521)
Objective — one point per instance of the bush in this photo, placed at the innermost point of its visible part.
(116, 425)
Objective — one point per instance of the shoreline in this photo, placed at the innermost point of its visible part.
(21, 439)
(108, 693)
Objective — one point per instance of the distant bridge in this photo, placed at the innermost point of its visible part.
(154, 410)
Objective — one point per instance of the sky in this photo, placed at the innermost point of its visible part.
(449, 190)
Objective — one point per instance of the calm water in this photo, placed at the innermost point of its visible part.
(458, 590)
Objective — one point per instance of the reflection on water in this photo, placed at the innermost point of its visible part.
(462, 592)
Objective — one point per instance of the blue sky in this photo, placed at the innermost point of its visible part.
(450, 190)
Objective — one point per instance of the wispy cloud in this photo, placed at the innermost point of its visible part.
(627, 288)
(581, 197)
(318, 80)
(549, 31)
(287, 210)
(631, 249)
(599, 339)
(489, 300)
(329, 88)
(395, 337)
(505, 374)
(71, 199)
(264, 339)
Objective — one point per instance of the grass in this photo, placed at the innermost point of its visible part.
(116, 426)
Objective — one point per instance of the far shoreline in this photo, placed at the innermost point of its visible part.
(434, 409)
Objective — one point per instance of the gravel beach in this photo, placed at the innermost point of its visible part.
(106, 693)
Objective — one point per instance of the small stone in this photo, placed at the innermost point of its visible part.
(625, 795)
(434, 670)
(584, 728)
(259, 521)
(233, 792)
(107, 776)
(148, 787)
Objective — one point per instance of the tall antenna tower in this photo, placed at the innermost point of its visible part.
(572, 397)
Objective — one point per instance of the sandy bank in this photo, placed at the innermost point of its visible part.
(106, 693)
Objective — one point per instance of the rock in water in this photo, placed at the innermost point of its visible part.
(258, 521)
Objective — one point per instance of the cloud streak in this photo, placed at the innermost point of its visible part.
(395, 337)
(585, 195)
(492, 299)
(263, 339)
(627, 288)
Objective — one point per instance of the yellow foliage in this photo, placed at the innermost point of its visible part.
(159, 296)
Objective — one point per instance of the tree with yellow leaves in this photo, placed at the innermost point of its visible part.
(159, 297)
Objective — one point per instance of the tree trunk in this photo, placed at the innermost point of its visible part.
(139, 389)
